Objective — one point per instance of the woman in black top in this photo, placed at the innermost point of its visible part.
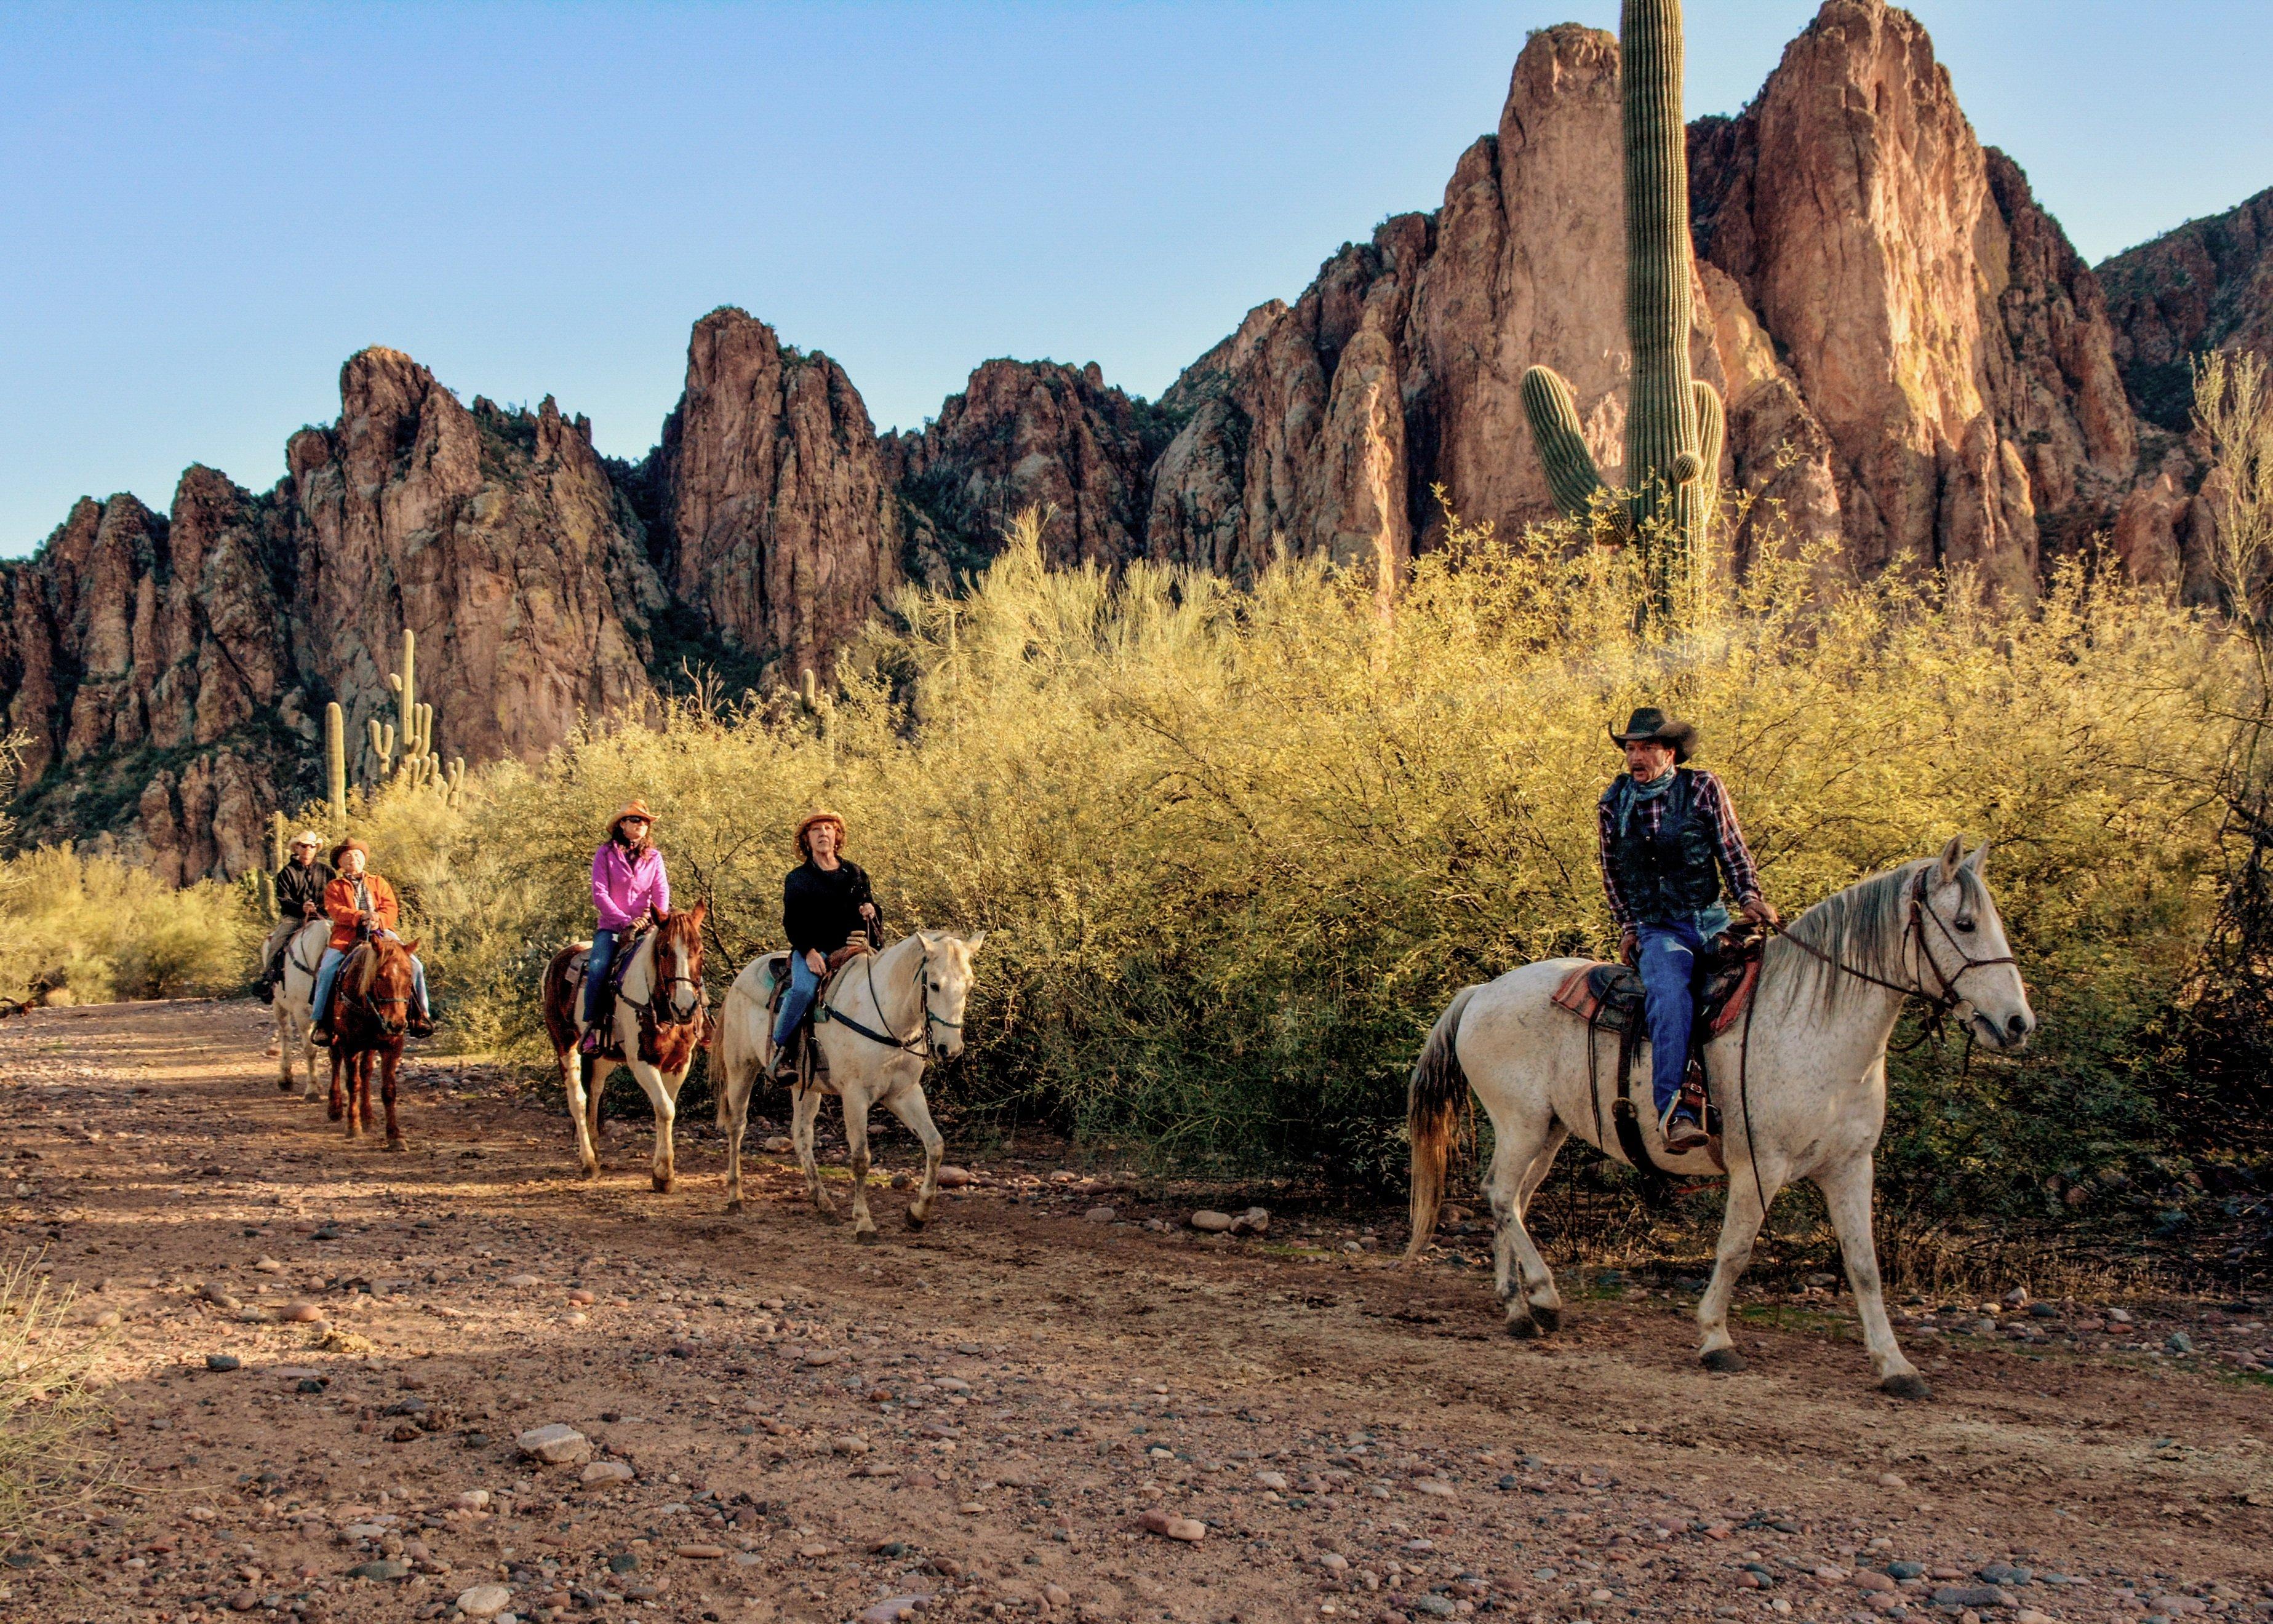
(826, 902)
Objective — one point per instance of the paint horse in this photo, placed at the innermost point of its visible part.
(655, 1022)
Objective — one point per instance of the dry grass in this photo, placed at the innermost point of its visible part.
(47, 1407)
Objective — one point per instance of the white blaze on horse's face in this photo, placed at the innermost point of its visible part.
(1993, 1003)
(947, 978)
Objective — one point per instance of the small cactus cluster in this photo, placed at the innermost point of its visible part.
(1674, 424)
(404, 748)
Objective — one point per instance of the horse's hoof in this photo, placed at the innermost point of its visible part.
(916, 1220)
(395, 1141)
(1523, 1328)
(1550, 1320)
(735, 1205)
(284, 1085)
(337, 1113)
(1724, 1361)
(864, 1238)
(664, 1186)
(1906, 1384)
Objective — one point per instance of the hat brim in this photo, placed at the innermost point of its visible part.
(1681, 738)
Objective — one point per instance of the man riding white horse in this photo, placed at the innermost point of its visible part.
(299, 898)
(827, 904)
(1670, 843)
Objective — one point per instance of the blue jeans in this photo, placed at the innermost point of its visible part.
(803, 983)
(1667, 957)
(327, 971)
(596, 972)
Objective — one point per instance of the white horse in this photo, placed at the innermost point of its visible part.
(1800, 1082)
(657, 1023)
(882, 1019)
(295, 1003)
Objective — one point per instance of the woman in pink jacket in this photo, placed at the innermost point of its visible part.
(628, 888)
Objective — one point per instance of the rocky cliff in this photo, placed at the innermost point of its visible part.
(1915, 364)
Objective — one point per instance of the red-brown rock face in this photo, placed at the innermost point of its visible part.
(1026, 434)
(781, 530)
(2207, 285)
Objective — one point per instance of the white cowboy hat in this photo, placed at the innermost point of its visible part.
(307, 837)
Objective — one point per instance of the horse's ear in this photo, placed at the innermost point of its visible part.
(1952, 855)
(700, 910)
(971, 944)
(1980, 855)
(410, 946)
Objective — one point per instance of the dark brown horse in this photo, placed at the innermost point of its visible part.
(656, 1022)
(371, 1008)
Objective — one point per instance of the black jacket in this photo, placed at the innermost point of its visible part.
(820, 907)
(297, 885)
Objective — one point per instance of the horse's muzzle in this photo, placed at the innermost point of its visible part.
(2010, 1038)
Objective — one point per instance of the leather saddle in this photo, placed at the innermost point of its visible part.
(809, 1063)
(610, 1047)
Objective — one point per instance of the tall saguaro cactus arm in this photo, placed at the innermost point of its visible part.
(1553, 410)
(336, 761)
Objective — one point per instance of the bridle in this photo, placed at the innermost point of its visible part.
(920, 1043)
(657, 982)
(1938, 1003)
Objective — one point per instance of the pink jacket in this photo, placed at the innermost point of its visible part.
(623, 891)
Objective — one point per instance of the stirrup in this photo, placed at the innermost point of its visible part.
(1682, 1133)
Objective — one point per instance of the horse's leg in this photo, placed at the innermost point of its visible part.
(309, 1050)
(335, 1081)
(596, 1084)
(803, 1109)
(734, 1117)
(284, 1045)
(1521, 1278)
(1740, 1226)
(1846, 1187)
(352, 1065)
(366, 1063)
(910, 1106)
(1538, 1279)
(854, 1099)
(662, 1097)
(388, 1059)
(572, 1079)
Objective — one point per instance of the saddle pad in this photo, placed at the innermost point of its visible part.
(1610, 995)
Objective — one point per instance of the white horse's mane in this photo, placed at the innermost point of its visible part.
(1860, 928)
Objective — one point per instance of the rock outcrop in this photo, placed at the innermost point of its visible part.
(2207, 285)
(1026, 434)
(778, 527)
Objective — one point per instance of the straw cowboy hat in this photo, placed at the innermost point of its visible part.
(820, 817)
(345, 847)
(633, 808)
(1651, 725)
(308, 838)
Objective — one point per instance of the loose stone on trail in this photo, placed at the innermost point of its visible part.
(485, 1601)
(557, 1445)
(1210, 1221)
(1171, 1527)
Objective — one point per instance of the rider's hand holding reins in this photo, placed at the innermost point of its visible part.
(814, 961)
(1760, 910)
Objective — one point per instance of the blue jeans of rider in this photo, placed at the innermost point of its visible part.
(596, 972)
(327, 971)
(1668, 956)
(803, 983)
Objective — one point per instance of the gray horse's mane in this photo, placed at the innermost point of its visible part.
(1861, 928)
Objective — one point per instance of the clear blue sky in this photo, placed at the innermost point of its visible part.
(208, 208)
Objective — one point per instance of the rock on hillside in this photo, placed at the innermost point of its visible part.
(1027, 434)
(777, 524)
(170, 673)
(2207, 285)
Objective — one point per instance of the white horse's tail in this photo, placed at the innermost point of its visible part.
(1432, 1108)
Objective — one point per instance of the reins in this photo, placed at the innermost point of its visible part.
(921, 1043)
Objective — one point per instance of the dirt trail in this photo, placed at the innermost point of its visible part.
(981, 1415)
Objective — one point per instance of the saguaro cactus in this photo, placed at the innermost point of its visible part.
(1673, 422)
(336, 761)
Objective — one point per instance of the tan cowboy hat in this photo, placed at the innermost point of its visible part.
(633, 808)
(345, 847)
(819, 817)
(1651, 725)
(309, 838)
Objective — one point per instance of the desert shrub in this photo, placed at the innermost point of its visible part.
(1235, 846)
(46, 1408)
(108, 929)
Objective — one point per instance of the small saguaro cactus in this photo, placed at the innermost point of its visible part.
(382, 744)
(1674, 426)
(336, 761)
(277, 849)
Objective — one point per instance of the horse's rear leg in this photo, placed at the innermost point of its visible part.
(733, 1118)
(572, 1079)
(1526, 1285)
(803, 1109)
(856, 1146)
(386, 1064)
(338, 1066)
(366, 1063)
(1740, 1226)
(1846, 1188)
(284, 1044)
(910, 1106)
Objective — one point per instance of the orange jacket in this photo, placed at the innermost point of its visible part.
(340, 903)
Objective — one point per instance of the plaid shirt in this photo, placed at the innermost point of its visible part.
(1738, 873)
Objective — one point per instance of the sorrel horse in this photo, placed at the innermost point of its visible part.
(874, 1025)
(371, 1009)
(1800, 1081)
(296, 999)
(656, 1022)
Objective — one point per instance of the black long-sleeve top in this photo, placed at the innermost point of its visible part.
(297, 885)
(820, 907)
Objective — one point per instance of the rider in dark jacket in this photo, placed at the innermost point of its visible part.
(826, 904)
(299, 898)
(1669, 844)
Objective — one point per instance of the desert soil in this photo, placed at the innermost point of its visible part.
(974, 1420)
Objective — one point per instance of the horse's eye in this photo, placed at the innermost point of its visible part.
(1965, 925)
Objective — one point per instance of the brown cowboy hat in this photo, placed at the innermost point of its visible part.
(1651, 725)
(345, 847)
(820, 817)
(633, 808)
